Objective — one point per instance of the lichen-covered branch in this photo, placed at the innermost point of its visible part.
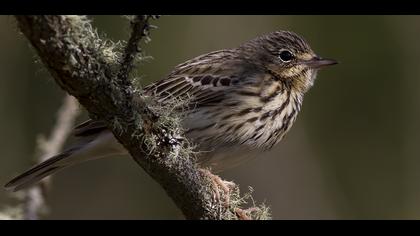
(140, 28)
(88, 68)
(34, 201)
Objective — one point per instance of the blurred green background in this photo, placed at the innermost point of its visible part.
(354, 152)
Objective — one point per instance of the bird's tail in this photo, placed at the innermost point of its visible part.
(42, 170)
(91, 148)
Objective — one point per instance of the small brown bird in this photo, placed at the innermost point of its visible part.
(242, 102)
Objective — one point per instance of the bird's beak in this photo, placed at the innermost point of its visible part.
(317, 62)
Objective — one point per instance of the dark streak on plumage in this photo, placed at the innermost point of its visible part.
(211, 100)
(183, 91)
(269, 137)
(259, 128)
(225, 81)
(240, 125)
(259, 136)
(248, 93)
(245, 111)
(271, 97)
(265, 115)
(229, 128)
(199, 128)
(90, 131)
(162, 85)
(175, 88)
(228, 116)
(274, 75)
(196, 79)
(234, 81)
(282, 107)
(206, 80)
(231, 104)
(249, 110)
(250, 120)
(287, 120)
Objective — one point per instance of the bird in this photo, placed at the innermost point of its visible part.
(242, 101)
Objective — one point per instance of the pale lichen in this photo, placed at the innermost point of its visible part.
(241, 204)
(11, 213)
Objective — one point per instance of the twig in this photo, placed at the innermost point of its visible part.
(35, 196)
(140, 27)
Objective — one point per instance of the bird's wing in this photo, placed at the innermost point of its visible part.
(203, 81)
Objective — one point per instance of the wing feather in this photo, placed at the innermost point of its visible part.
(88, 128)
(206, 80)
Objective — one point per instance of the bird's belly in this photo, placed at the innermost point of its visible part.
(227, 136)
(217, 149)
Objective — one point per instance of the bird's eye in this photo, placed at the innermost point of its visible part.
(286, 56)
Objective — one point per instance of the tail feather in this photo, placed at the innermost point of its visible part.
(38, 172)
(88, 148)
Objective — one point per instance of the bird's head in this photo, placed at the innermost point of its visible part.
(288, 56)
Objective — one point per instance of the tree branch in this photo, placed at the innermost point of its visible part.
(89, 68)
(140, 28)
(34, 201)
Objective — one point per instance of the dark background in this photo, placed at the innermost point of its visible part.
(352, 154)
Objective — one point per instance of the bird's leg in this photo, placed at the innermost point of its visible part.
(220, 184)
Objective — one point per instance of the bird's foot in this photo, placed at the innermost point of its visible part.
(222, 188)
(245, 214)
